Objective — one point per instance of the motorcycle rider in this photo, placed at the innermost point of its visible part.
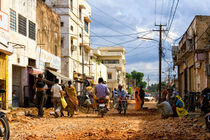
(101, 92)
(121, 93)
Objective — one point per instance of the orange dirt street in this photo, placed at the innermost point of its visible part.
(144, 124)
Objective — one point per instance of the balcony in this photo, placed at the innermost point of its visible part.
(111, 53)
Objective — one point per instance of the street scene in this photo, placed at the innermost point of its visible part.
(109, 70)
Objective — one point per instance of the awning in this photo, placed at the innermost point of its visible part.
(73, 37)
(82, 6)
(7, 49)
(57, 74)
(87, 19)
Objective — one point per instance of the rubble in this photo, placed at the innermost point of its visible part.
(144, 124)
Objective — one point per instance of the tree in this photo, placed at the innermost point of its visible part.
(138, 76)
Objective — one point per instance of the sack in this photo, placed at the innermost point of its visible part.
(63, 102)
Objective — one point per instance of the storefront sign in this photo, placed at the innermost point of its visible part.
(44, 57)
(4, 21)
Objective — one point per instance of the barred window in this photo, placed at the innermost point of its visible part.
(86, 26)
(22, 25)
(12, 24)
(32, 30)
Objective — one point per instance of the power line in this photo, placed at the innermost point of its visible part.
(112, 17)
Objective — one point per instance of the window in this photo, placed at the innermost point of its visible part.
(32, 30)
(110, 61)
(86, 26)
(72, 43)
(80, 49)
(72, 28)
(80, 35)
(71, 5)
(22, 25)
(62, 43)
(31, 62)
(56, 50)
(12, 24)
(109, 76)
(62, 24)
(80, 13)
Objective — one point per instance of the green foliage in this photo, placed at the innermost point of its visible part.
(138, 76)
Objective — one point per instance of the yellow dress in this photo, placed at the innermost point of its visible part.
(71, 99)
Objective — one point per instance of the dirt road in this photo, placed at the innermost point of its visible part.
(144, 124)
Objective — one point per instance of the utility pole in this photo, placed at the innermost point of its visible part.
(160, 56)
(83, 67)
(148, 80)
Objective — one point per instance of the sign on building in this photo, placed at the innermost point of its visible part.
(4, 21)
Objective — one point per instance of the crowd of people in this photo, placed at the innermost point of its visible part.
(171, 104)
(64, 97)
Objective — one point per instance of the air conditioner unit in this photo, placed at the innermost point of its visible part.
(74, 48)
(208, 70)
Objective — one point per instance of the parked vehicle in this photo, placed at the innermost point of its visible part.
(205, 106)
(4, 125)
(102, 108)
(192, 101)
(149, 98)
(123, 105)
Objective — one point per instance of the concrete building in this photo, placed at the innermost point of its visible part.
(36, 40)
(97, 68)
(192, 56)
(75, 30)
(5, 51)
(23, 39)
(114, 59)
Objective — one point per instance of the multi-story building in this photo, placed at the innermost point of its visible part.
(75, 41)
(97, 68)
(192, 57)
(5, 51)
(23, 39)
(114, 59)
(36, 40)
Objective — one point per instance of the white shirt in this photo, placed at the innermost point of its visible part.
(56, 89)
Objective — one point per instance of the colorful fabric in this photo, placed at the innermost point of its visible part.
(71, 99)
(181, 111)
(137, 99)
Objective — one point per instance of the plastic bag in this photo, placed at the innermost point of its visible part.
(63, 102)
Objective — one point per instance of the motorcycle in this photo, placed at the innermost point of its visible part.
(102, 108)
(123, 105)
(4, 125)
(205, 106)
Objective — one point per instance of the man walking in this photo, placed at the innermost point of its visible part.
(142, 94)
(56, 94)
(40, 86)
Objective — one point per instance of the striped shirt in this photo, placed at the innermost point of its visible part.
(101, 91)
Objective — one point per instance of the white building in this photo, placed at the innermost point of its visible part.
(75, 31)
(114, 59)
(23, 39)
(97, 68)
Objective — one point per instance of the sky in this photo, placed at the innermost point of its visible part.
(121, 22)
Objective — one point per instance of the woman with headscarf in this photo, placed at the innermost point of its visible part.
(137, 99)
(180, 107)
(72, 101)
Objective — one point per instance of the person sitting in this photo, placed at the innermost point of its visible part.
(101, 92)
(180, 107)
(165, 109)
(121, 94)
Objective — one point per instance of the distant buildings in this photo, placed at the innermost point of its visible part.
(114, 59)
(192, 56)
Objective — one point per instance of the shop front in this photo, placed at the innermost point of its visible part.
(5, 51)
